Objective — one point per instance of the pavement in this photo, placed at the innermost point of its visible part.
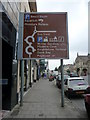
(43, 100)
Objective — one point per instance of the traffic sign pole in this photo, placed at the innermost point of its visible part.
(62, 84)
(22, 82)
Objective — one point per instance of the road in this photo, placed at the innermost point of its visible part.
(87, 78)
(78, 102)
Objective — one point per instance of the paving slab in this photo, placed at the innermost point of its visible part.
(43, 100)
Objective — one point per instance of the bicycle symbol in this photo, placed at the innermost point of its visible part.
(33, 40)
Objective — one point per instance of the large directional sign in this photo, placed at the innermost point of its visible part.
(45, 35)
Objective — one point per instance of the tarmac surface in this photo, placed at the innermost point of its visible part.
(43, 100)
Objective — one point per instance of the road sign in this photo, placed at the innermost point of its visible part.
(45, 35)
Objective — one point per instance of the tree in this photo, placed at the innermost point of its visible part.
(78, 70)
(56, 69)
(68, 71)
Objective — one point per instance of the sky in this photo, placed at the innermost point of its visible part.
(77, 25)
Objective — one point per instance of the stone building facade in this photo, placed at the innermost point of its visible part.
(81, 64)
(9, 22)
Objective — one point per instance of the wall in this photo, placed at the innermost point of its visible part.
(13, 9)
(10, 18)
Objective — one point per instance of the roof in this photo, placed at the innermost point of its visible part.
(82, 58)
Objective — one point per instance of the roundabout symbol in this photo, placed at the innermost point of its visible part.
(33, 40)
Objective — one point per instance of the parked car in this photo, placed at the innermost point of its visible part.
(58, 80)
(73, 75)
(51, 77)
(87, 104)
(76, 86)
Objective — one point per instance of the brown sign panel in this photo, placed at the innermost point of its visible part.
(45, 35)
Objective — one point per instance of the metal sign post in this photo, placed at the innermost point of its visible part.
(62, 84)
(42, 37)
(20, 47)
(22, 82)
(30, 75)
